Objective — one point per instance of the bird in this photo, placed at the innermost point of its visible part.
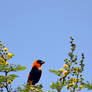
(35, 72)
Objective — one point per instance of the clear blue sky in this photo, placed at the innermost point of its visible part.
(40, 29)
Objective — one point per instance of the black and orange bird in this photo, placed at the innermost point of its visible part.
(35, 72)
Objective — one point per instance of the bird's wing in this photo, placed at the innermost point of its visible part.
(34, 76)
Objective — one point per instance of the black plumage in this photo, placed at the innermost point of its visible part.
(35, 75)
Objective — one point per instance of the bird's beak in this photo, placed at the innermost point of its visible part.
(42, 62)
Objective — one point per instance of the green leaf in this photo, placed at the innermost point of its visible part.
(54, 71)
(19, 67)
(87, 85)
(8, 77)
(53, 86)
(12, 76)
(59, 84)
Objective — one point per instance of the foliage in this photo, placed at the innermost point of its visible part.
(87, 85)
(5, 68)
(71, 73)
(58, 85)
(30, 88)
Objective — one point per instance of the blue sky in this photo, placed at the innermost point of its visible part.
(40, 29)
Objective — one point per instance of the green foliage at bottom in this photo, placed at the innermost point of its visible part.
(29, 88)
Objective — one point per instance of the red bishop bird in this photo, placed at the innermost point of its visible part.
(35, 72)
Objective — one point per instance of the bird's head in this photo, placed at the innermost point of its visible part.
(38, 63)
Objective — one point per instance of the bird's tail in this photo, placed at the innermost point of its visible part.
(29, 82)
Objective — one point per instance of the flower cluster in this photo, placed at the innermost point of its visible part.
(73, 70)
(4, 55)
